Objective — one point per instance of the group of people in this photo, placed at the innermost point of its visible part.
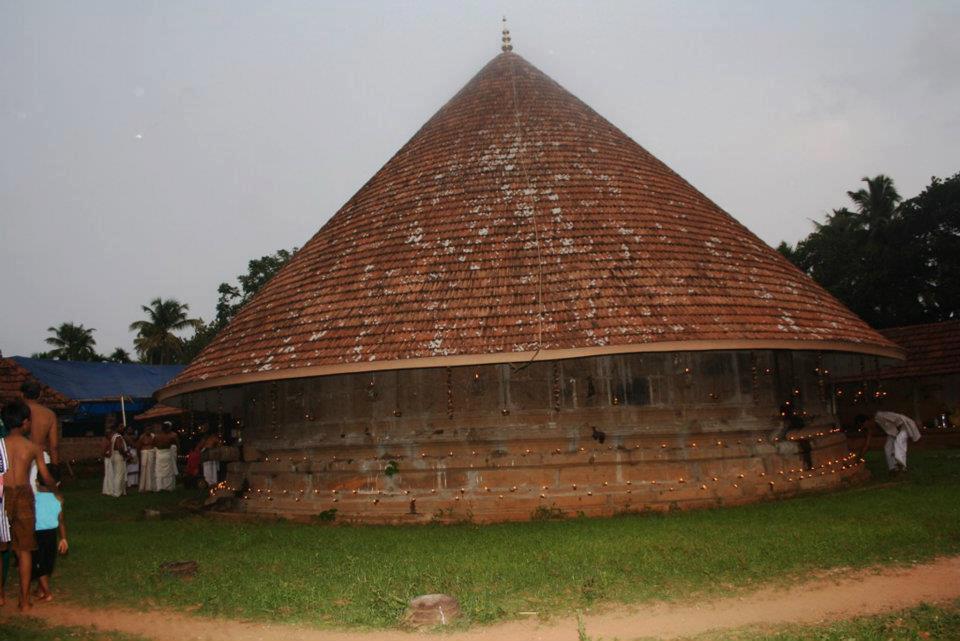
(148, 462)
(32, 528)
(31, 519)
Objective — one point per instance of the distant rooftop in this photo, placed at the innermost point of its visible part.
(13, 375)
(932, 349)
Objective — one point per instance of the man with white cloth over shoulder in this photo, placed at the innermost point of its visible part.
(114, 461)
(898, 429)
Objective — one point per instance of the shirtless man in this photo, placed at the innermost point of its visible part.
(44, 430)
(211, 469)
(148, 459)
(132, 453)
(166, 464)
(17, 494)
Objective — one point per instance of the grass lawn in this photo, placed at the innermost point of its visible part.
(362, 576)
(917, 624)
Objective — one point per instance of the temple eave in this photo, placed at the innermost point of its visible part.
(460, 360)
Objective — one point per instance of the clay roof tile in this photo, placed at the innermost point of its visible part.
(13, 375)
(517, 219)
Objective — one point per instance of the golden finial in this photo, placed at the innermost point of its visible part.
(506, 37)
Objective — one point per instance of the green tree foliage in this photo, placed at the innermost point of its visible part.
(156, 342)
(71, 342)
(233, 297)
(202, 335)
(934, 230)
(259, 271)
(119, 355)
(893, 262)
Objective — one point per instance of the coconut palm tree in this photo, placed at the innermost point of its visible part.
(119, 355)
(72, 342)
(156, 341)
(877, 204)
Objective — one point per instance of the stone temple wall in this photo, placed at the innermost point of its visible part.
(593, 436)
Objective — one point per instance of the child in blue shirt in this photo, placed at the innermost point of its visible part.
(49, 510)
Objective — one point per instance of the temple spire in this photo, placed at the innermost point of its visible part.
(506, 46)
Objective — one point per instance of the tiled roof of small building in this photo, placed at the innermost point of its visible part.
(931, 349)
(13, 375)
(518, 222)
(159, 411)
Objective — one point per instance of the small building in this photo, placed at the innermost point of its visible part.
(13, 375)
(925, 387)
(83, 393)
(96, 388)
(159, 413)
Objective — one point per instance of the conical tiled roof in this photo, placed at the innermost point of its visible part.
(514, 194)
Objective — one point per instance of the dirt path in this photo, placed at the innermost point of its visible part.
(862, 593)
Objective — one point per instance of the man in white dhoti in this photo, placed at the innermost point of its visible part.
(898, 429)
(211, 468)
(114, 463)
(165, 470)
(133, 467)
(132, 457)
(148, 460)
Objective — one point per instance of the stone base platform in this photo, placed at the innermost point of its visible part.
(537, 478)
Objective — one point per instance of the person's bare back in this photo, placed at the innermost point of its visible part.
(44, 431)
(21, 452)
(44, 428)
(165, 440)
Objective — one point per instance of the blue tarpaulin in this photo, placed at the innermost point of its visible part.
(87, 382)
(93, 409)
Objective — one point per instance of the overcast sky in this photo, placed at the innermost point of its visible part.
(152, 148)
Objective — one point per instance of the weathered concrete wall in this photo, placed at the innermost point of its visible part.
(595, 436)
